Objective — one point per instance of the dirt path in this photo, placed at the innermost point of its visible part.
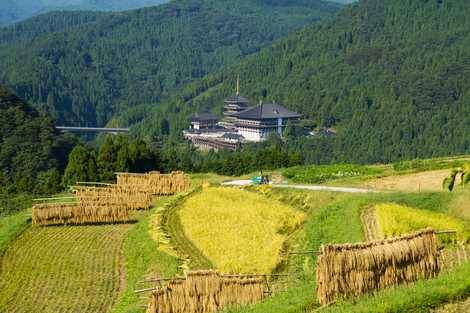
(371, 227)
(305, 187)
(122, 270)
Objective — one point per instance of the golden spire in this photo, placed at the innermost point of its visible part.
(238, 85)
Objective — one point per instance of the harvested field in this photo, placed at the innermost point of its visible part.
(424, 181)
(63, 270)
(239, 231)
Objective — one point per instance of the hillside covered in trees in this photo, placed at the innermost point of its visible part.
(85, 69)
(16, 10)
(392, 76)
(32, 152)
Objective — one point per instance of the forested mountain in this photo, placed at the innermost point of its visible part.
(59, 21)
(86, 70)
(16, 10)
(392, 76)
(32, 152)
(344, 1)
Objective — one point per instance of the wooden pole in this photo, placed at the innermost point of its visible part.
(93, 183)
(58, 198)
(442, 232)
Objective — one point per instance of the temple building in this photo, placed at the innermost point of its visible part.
(233, 105)
(259, 122)
(204, 121)
(240, 124)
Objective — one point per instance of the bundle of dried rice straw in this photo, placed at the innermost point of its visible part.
(348, 270)
(204, 292)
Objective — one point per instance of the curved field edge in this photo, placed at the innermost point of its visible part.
(143, 259)
(229, 224)
(171, 225)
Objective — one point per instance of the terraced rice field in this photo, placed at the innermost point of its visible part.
(239, 231)
(63, 269)
(396, 220)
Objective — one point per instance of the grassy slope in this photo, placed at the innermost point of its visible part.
(63, 269)
(12, 226)
(414, 175)
(142, 259)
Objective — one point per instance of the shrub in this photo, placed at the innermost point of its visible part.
(318, 174)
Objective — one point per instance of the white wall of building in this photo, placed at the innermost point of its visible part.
(256, 134)
(250, 134)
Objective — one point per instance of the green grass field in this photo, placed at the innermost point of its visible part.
(143, 260)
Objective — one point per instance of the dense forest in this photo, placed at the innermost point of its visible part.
(392, 76)
(33, 154)
(16, 10)
(47, 23)
(85, 71)
(121, 154)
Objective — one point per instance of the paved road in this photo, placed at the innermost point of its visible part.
(306, 187)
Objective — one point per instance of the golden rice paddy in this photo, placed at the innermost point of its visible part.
(239, 231)
(395, 220)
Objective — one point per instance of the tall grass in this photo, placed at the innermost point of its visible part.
(460, 206)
